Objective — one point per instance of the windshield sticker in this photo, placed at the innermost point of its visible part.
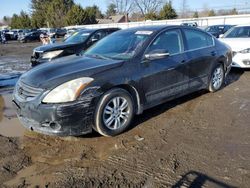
(144, 32)
(85, 34)
(75, 33)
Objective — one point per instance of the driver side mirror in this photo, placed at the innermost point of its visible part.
(157, 54)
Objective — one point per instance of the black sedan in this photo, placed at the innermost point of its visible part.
(75, 44)
(31, 36)
(122, 75)
(218, 30)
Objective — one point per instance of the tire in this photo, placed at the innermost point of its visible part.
(217, 78)
(114, 112)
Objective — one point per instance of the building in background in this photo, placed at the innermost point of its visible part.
(114, 19)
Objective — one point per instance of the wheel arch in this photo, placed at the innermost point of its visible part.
(135, 95)
(222, 60)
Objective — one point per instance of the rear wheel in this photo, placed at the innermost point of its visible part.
(114, 112)
(217, 78)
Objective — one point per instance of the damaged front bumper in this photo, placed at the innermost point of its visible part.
(66, 119)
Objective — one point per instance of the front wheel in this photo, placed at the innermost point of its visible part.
(114, 112)
(217, 78)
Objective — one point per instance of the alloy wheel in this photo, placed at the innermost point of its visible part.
(116, 113)
(217, 78)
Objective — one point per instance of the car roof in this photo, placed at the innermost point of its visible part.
(220, 25)
(96, 29)
(154, 27)
(159, 28)
(243, 25)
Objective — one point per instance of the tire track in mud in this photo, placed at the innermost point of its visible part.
(139, 170)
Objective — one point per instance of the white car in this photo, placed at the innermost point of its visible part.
(238, 38)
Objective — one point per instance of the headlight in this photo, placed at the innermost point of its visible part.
(245, 51)
(50, 55)
(68, 91)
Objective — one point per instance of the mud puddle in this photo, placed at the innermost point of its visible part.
(9, 123)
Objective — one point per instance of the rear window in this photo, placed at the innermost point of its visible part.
(196, 39)
(238, 32)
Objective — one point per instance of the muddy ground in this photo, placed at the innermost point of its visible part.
(201, 140)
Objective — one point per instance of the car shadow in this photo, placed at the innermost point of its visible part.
(234, 75)
(194, 179)
(157, 110)
(93, 134)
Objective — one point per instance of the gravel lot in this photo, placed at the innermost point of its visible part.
(200, 140)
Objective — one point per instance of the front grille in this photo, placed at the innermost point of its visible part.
(27, 92)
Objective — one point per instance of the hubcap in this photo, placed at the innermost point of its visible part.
(217, 78)
(116, 113)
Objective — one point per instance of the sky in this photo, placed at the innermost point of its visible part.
(9, 7)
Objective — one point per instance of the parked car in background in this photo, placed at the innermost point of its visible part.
(74, 44)
(24, 32)
(30, 37)
(2, 38)
(71, 31)
(49, 31)
(122, 75)
(190, 24)
(12, 34)
(218, 30)
(238, 38)
(61, 32)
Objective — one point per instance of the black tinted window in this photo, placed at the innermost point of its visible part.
(197, 39)
(169, 41)
(99, 35)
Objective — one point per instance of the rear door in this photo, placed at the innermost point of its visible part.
(201, 52)
(167, 76)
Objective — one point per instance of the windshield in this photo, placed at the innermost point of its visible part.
(121, 45)
(52, 30)
(212, 29)
(238, 32)
(78, 37)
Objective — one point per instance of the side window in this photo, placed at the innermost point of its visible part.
(168, 41)
(197, 39)
(99, 35)
(112, 31)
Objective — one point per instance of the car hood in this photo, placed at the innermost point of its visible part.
(237, 44)
(56, 46)
(54, 73)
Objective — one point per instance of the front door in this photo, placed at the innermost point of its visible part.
(167, 76)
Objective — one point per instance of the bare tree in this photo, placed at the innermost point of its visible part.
(205, 10)
(184, 9)
(149, 6)
(123, 6)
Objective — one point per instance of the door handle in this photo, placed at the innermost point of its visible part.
(213, 53)
(183, 61)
